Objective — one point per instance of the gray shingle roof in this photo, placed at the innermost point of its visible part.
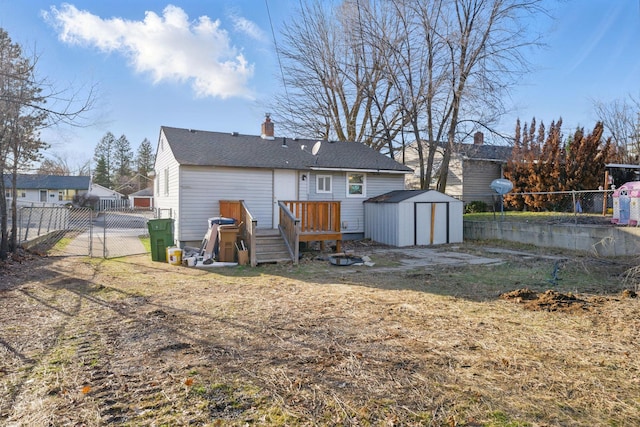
(204, 148)
(48, 182)
(485, 152)
(145, 192)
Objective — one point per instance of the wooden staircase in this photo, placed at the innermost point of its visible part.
(270, 246)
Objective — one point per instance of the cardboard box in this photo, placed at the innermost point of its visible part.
(243, 257)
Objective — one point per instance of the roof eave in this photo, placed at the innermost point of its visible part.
(389, 171)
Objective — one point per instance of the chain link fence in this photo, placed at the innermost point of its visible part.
(590, 206)
(68, 231)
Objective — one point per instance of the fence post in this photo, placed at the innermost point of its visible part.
(104, 236)
(26, 234)
(90, 232)
(50, 217)
(19, 226)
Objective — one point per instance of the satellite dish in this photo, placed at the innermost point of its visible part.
(316, 148)
(501, 186)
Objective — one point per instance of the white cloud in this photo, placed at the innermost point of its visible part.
(169, 47)
(249, 28)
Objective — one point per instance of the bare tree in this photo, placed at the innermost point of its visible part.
(485, 41)
(27, 105)
(439, 68)
(621, 119)
(334, 87)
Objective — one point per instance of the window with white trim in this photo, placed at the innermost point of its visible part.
(323, 184)
(356, 185)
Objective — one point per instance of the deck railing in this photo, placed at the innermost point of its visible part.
(289, 227)
(238, 210)
(316, 216)
(317, 221)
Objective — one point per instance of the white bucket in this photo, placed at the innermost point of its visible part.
(175, 256)
(191, 262)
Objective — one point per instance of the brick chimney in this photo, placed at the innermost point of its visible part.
(478, 138)
(267, 127)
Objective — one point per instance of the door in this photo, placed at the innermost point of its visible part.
(285, 184)
(43, 196)
(431, 223)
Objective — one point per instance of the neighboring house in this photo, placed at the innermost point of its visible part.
(195, 170)
(51, 189)
(107, 198)
(472, 167)
(142, 199)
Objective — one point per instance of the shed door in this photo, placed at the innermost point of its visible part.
(431, 223)
(284, 188)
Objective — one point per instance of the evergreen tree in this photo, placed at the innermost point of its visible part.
(122, 159)
(144, 163)
(105, 150)
(586, 158)
(101, 174)
(543, 162)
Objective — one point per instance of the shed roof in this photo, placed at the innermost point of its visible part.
(205, 148)
(50, 182)
(398, 196)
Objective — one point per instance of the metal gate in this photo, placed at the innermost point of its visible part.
(66, 231)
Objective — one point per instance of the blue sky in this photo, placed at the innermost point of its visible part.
(226, 71)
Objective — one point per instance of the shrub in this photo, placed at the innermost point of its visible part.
(476, 206)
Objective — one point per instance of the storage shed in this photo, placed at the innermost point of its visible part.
(413, 217)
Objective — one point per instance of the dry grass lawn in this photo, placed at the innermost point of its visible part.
(90, 342)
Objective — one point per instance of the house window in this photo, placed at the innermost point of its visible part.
(323, 184)
(356, 185)
(23, 194)
(60, 196)
(166, 182)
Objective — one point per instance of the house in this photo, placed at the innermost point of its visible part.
(142, 199)
(472, 167)
(324, 183)
(51, 189)
(413, 217)
(107, 198)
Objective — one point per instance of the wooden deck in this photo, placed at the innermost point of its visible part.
(319, 221)
(300, 221)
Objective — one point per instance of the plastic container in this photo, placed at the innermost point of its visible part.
(220, 220)
(174, 256)
(161, 236)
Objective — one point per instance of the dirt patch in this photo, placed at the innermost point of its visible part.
(554, 301)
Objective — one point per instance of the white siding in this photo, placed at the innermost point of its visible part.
(352, 215)
(165, 161)
(203, 187)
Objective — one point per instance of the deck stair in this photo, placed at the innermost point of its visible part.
(270, 247)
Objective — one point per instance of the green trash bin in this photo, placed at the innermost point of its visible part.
(161, 236)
